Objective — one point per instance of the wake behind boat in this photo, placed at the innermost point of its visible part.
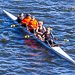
(55, 49)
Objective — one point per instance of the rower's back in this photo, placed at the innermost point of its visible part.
(26, 20)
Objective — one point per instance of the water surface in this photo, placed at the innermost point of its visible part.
(19, 56)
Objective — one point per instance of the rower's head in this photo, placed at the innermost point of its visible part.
(48, 29)
(22, 14)
(40, 23)
(27, 15)
(19, 15)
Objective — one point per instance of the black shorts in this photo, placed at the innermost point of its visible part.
(50, 42)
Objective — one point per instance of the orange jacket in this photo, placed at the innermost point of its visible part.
(33, 24)
(26, 20)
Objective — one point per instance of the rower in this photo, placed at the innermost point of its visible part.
(26, 20)
(40, 30)
(33, 24)
(20, 17)
(49, 39)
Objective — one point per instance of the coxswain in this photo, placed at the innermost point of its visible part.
(20, 17)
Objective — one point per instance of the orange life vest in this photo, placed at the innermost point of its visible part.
(33, 24)
(26, 20)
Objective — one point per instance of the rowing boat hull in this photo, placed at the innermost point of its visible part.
(57, 50)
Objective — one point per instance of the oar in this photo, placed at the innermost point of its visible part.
(55, 39)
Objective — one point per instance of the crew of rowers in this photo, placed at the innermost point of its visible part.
(36, 27)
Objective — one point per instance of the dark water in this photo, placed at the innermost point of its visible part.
(19, 56)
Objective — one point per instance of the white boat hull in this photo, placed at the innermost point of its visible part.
(57, 50)
(11, 16)
(61, 53)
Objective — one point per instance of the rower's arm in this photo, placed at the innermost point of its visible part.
(43, 34)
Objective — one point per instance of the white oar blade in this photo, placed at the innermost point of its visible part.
(10, 15)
